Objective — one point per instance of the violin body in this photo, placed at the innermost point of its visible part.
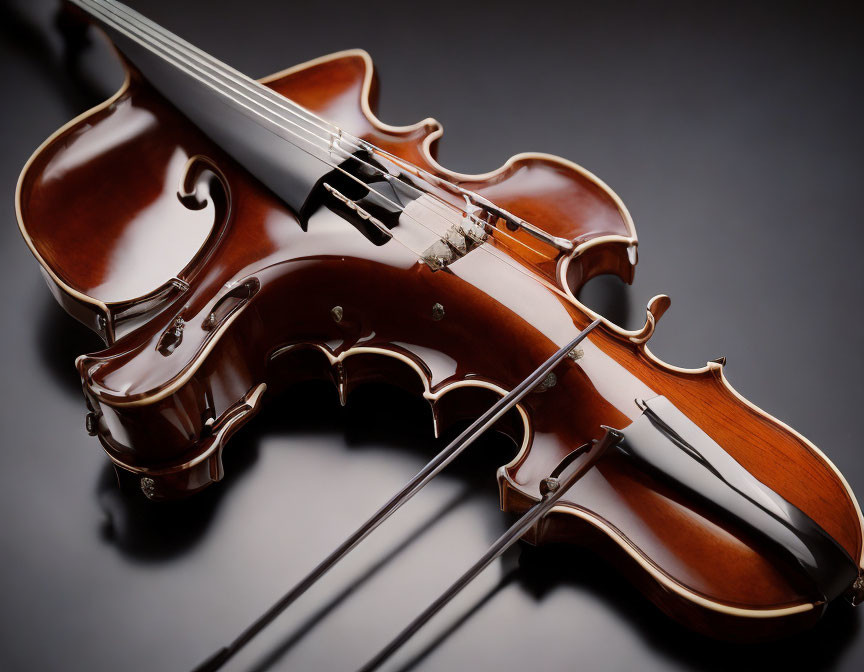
(211, 294)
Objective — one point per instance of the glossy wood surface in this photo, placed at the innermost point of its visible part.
(120, 203)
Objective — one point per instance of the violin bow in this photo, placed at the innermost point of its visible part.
(551, 490)
(435, 466)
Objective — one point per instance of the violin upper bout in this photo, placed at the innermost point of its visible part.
(559, 197)
(120, 221)
(342, 88)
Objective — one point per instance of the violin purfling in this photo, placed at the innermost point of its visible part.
(227, 237)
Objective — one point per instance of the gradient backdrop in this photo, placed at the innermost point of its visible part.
(733, 133)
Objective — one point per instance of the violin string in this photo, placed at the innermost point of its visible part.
(336, 135)
(170, 53)
(395, 205)
(106, 12)
(292, 107)
(237, 76)
(487, 249)
(96, 9)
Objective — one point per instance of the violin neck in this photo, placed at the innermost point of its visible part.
(284, 145)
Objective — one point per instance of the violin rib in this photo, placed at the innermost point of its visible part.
(211, 296)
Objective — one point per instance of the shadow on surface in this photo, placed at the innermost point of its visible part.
(440, 638)
(157, 532)
(61, 339)
(320, 614)
(78, 90)
(376, 415)
(545, 568)
(610, 297)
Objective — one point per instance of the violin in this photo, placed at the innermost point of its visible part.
(227, 237)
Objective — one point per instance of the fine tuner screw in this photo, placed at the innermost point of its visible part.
(548, 486)
(148, 487)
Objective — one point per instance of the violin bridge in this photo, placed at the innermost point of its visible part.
(458, 232)
(443, 233)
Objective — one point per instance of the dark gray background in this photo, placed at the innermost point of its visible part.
(733, 133)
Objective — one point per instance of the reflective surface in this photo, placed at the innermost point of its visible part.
(255, 314)
(138, 600)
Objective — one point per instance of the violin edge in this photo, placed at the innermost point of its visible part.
(74, 301)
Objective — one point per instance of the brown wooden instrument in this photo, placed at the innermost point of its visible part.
(212, 290)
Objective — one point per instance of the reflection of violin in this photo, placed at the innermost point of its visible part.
(225, 238)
